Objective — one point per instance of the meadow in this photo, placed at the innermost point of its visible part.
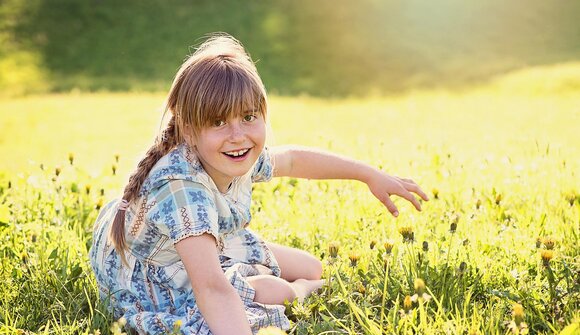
(494, 251)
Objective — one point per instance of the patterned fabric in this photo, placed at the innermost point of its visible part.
(177, 200)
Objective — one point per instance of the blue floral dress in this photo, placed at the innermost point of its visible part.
(177, 200)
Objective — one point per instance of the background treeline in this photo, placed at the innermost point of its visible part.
(324, 48)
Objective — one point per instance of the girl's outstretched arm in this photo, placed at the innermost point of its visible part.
(302, 162)
(216, 298)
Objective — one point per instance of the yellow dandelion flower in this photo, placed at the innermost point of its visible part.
(372, 244)
(388, 246)
(498, 199)
(407, 233)
(547, 256)
(549, 243)
(518, 314)
(354, 256)
(71, 158)
(407, 304)
(271, 331)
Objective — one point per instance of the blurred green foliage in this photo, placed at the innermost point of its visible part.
(324, 48)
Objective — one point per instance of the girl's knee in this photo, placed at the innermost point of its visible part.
(272, 290)
(314, 271)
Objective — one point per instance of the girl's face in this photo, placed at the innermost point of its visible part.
(229, 148)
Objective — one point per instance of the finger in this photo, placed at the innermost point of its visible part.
(407, 195)
(390, 205)
(416, 189)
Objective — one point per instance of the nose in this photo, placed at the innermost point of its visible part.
(236, 133)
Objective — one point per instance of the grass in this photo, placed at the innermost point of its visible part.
(502, 228)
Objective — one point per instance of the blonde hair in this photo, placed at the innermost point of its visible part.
(217, 81)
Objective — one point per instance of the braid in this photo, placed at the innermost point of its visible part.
(163, 144)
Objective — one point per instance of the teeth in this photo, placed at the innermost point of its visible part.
(237, 153)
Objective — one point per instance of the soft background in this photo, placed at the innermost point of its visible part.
(478, 101)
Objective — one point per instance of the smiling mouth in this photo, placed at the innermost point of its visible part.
(237, 153)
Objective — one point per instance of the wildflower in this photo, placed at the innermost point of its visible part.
(271, 330)
(538, 242)
(71, 158)
(572, 197)
(547, 256)
(372, 244)
(549, 243)
(420, 293)
(435, 193)
(388, 246)
(518, 314)
(407, 233)
(114, 168)
(454, 218)
(176, 326)
(42, 166)
(117, 326)
(99, 204)
(102, 192)
(361, 288)
(478, 204)
(419, 286)
(117, 158)
(87, 189)
(498, 198)
(517, 325)
(354, 257)
(425, 246)
(333, 248)
(57, 171)
(462, 267)
(407, 304)
(465, 242)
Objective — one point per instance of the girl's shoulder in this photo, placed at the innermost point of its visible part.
(179, 164)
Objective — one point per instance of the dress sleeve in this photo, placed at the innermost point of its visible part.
(264, 167)
(184, 208)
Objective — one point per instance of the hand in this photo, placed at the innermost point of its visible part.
(382, 185)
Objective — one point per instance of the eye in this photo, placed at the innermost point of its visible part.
(218, 123)
(249, 117)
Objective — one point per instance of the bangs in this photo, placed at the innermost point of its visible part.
(226, 90)
(217, 82)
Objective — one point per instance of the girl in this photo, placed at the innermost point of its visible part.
(176, 251)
